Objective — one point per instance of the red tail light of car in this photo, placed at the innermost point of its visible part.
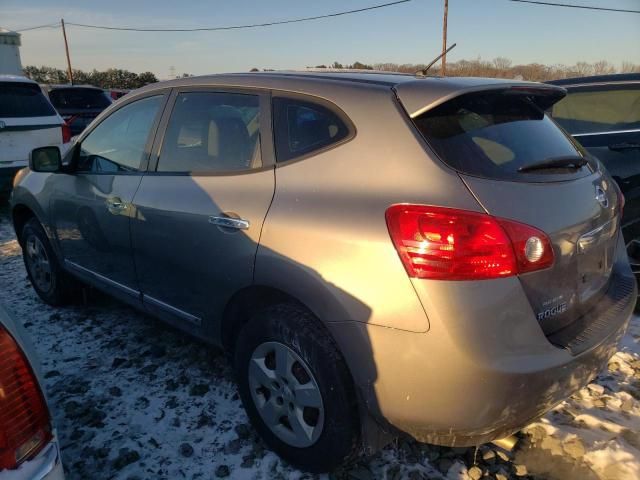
(449, 244)
(66, 132)
(25, 425)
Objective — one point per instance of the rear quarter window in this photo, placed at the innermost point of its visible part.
(303, 127)
(19, 100)
(493, 134)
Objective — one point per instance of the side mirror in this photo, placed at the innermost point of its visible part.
(45, 159)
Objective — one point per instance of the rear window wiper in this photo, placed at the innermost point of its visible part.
(572, 162)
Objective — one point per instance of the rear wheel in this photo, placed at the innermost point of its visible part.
(52, 284)
(296, 388)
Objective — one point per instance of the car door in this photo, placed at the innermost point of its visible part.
(200, 208)
(91, 204)
(605, 119)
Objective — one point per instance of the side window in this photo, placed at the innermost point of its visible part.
(212, 132)
(302, 127)
(117, 145)
(594, 109)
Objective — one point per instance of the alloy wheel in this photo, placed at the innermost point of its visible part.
(38, 264)
(286, 394)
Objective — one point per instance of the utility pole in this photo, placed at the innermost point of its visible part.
(66, 49)
(444, 38)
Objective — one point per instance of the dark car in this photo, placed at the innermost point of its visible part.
(78, 105)
(603, 114)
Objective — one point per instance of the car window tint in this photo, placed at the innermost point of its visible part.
(23, 100)
(212, 132)
(493, 134)
(591, 109)
(117, 145)
(303, 127)
(79, 98)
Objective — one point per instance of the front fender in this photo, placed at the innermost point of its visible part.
(32, 191)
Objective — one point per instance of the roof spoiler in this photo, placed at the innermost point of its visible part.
(422, 95)
(543, 97)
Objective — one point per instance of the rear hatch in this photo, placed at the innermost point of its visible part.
(78, 106)
(27, 121)
(521, 166)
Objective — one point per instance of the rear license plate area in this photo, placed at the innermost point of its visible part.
(596, 252)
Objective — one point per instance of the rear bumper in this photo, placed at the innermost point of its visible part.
(484, 370)
(46, 466)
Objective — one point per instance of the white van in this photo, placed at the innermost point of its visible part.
(27, 120)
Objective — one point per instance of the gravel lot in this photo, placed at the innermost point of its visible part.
(135, 399)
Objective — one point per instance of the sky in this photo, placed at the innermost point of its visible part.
(404, 33)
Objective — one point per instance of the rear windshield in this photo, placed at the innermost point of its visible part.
(493, 134)
(23, 100)
(79, 98)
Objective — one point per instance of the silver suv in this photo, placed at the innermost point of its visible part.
(378, 253)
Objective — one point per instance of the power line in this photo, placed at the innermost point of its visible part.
(568, 5)
(237, 27)
(49, 25)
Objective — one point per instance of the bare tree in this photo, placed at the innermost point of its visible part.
(603, 68)
(628, 67)
(502, 67)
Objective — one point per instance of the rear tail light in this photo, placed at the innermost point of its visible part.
(25, 426)
(66, 132)
(449, 244)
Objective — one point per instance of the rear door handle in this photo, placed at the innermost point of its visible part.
(228, 222)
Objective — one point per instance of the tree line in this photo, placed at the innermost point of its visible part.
(111, 78)
(500, 67)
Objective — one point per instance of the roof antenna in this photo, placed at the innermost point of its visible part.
(423, 72)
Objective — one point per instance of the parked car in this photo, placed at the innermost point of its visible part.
(78, 104)
(28, 446)
(27, 121)
(603, 114)
(369, 248)
(116, 93)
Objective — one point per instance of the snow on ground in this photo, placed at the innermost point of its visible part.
(135, 399)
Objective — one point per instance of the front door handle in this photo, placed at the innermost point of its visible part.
(228, 222)
(115, 204)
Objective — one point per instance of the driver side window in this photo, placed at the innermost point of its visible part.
(117, 145)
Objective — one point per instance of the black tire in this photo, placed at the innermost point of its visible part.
(302, 333)
(61, 285)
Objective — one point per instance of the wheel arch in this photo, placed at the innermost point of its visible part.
(20, 215)
(244, 303)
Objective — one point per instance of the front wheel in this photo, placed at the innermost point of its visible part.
(296, 388)
(52, 284)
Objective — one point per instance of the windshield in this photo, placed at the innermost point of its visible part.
(79, 98)
(494, 134)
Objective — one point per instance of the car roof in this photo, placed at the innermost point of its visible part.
(355, 78)
(15, 78)
(65, 86)
(415, 92)
(597, 79)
